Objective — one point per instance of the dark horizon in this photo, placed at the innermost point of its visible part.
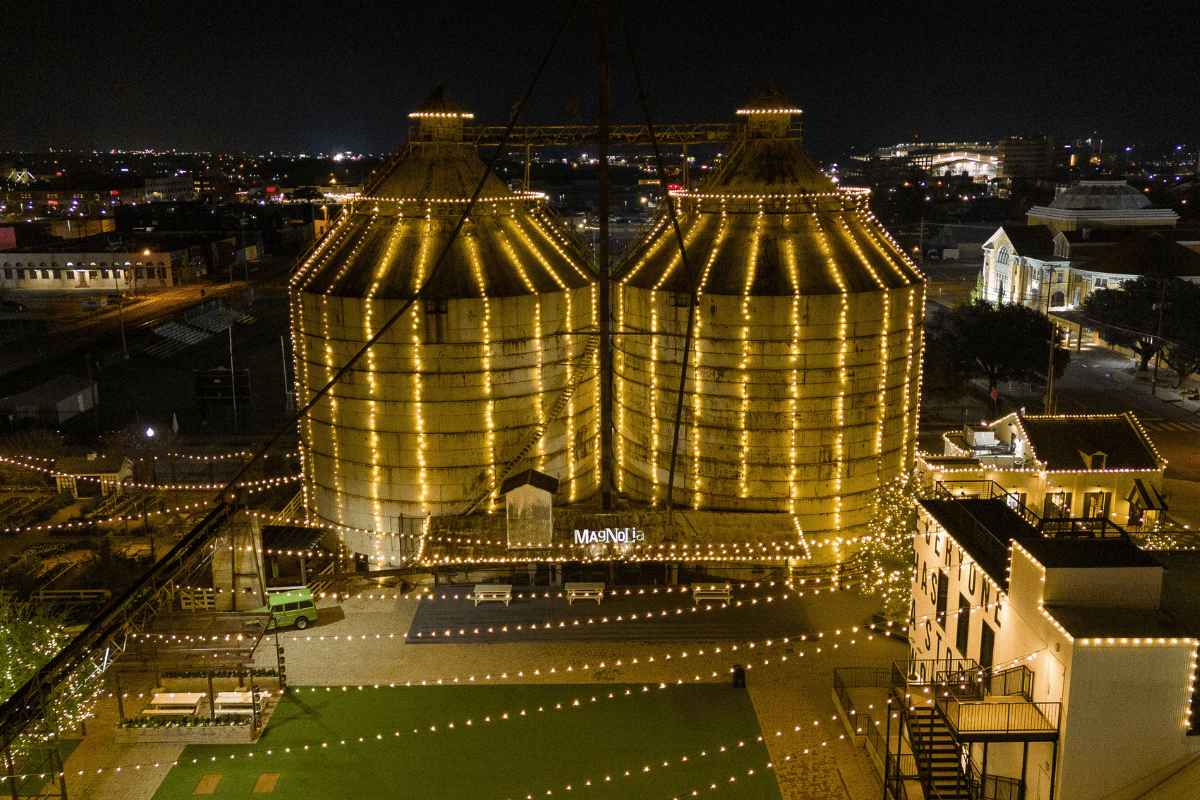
(297, 77)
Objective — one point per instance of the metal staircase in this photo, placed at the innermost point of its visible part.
(580, 370)
(938, 756)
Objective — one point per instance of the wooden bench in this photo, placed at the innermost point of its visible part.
(584, 591)
(712, 591)
(492, 591)
(234, 703)
(175, 704)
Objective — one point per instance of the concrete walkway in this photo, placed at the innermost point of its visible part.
(362, 642)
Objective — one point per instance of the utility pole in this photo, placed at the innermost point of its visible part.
(1050, 371)
(604, 122)
(1162, 301)
(232, 375)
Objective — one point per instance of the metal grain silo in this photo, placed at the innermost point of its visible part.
(804, 373)
(492, 370)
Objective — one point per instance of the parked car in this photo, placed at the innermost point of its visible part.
(11, 305)
(295, 607)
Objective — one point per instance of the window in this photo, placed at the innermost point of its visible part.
(20, 274)
(8, 274)
(57, 274)
(943, 589)
(70, 275)
(962, 635)
(291, 606)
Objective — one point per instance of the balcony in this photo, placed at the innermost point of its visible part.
(981, 707)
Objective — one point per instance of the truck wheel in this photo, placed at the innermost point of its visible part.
(301, 623)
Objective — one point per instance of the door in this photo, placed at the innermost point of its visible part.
(987, 642)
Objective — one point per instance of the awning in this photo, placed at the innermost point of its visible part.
(1145, 496)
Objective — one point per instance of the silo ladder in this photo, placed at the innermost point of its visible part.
(535, 434)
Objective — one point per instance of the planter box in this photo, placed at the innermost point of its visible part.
(217, 734)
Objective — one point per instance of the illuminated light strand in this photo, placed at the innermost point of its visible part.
(594, 369)
(538, 256)
(683, 546)
(489, 402)
(744, 365)
(571, 378)
(890, 257)
(794, 388)
(554, 238)
(655, 483)
(136, 485)
(656, 244)
(698, 393)
(333, 244)
(91, 522)
(505, 716)
(677, 259)
(840, 401)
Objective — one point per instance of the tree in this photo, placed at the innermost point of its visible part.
(1150, 315)
(1129, 316)
(29, 637)
(888, 552)
(1003, 342)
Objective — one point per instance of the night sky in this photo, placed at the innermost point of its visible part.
(311, 77)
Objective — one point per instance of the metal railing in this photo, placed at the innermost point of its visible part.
(923, 672)
(1082, 528)
(986, 490)
(993, 787)
(980, 718)
(1012, 681)
(28, 703)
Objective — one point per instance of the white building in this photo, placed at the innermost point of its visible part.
(1097, 203)
(1019, 266)
(1063, 466)
(1049, 662)
(94, 272)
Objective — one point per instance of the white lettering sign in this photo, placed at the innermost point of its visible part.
(610, 536)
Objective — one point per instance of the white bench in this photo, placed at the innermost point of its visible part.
(175, 704)
(492, 591)
(712, 591)
(584, 591)
(234, 703)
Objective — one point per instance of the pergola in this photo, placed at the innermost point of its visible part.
(202, 642)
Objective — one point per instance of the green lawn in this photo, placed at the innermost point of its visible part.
(516, 758)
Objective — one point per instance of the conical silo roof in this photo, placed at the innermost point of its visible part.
(386, 243)
(769, 222)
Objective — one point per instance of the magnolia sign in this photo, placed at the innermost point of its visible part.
(610, 536)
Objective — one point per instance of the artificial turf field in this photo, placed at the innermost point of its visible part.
(523, 756)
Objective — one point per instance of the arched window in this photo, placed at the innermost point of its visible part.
(1003, 255)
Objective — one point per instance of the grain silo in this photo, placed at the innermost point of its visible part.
(803, 378)
(491, 371)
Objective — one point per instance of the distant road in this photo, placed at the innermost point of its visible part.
(24, 368)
